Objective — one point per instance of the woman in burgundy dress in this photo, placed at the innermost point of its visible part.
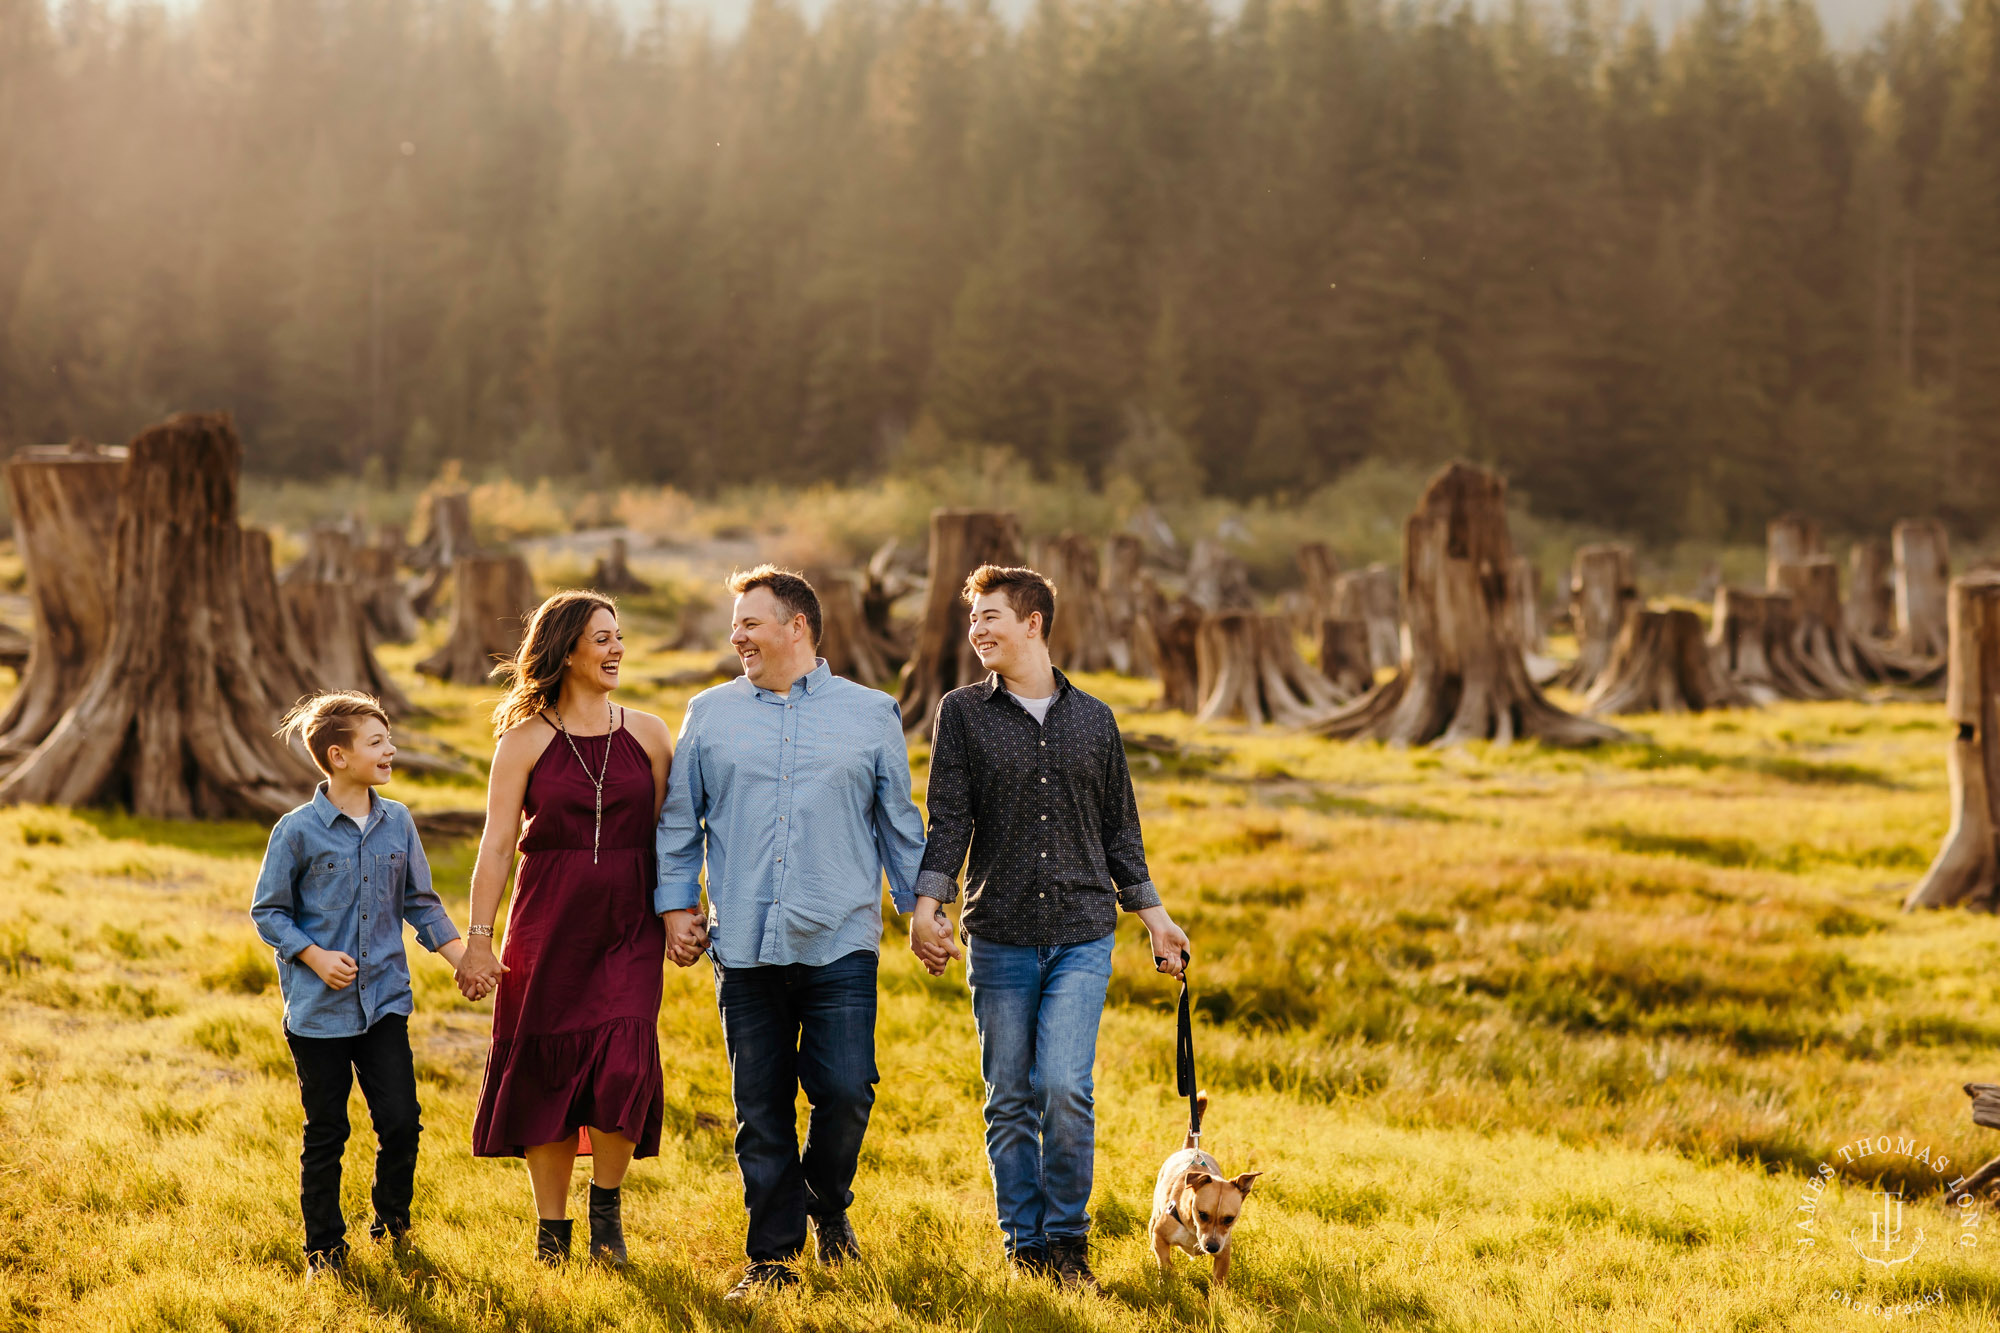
(575, 1061)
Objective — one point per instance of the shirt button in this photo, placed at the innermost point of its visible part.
(1045, 782)
(1045, 819)
(1045, 856)
(1041, 895)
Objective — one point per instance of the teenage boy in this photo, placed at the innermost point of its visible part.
(341, 875)
(1029, 773)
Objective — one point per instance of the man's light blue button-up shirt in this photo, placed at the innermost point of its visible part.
(801, 802)
(346, 886)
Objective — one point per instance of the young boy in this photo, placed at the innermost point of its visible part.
(341, 875)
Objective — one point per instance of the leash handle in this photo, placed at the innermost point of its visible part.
(1185, 1082)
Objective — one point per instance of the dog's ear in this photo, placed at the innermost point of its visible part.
(1195, 1178)
(1246, 1180)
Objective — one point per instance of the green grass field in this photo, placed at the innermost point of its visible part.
(1522, 1039)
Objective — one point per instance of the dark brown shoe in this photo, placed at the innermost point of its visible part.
(836, 1239)
(1071, 1257)
(760, 1278)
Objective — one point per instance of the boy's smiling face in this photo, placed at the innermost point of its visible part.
(368, 756)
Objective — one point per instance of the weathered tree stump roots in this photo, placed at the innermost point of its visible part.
(1661, 663)
(613, 571)
(323, 596)
(491, 598)
(1602, 588)
(1966, 871)
(175, 720)
(1247, 669)
(1463, 676)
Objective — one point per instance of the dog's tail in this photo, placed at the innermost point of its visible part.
(1201, 1111)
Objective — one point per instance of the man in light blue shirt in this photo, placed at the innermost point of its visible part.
(794, 785)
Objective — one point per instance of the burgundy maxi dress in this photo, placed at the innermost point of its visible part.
(576, 1019)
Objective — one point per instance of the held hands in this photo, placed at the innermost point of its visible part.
(930, 937)
(687, 935)
(1170, 942)
(337, 970)
(479, 971)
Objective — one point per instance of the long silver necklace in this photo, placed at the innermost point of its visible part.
(597, 781)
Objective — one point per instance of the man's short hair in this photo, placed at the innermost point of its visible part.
(1026, 590)
(794, 595)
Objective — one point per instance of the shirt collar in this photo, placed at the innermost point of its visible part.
(994, 685)
(327, 811)
(810, 682)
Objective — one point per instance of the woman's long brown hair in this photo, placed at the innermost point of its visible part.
(534, 675)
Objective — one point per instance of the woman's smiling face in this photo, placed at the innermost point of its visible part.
(593, 662)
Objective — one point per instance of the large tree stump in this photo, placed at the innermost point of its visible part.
(1218, 580)
(1463, 676)
(1871, 593)
(289, 667)
(1835, 658)
(613, 574)
(385, 602)
(1923, 572)
(447, 537)
(177, 718)
(1966, 872)
(845, 640)
(1077, 641)
(1126, 591)
(1171, 631)
(1343, 656)
(1602, 588)
(1789, 539)
(1752, 639)
(1370, 596)
(65, 503)
(1247, 668)
(1661, 663)
(321, 595)
(492, 596)
(942, 660)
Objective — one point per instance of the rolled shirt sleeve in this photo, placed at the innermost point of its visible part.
(681, 837)
(422, 907)
(274, 904)
(949, 799)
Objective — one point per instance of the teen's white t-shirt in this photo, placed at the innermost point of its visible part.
(1038, 709)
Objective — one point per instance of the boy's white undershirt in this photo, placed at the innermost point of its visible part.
(1038, 709)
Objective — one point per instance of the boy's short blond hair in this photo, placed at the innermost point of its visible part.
(322, 721)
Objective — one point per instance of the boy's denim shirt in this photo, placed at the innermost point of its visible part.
(347, 888)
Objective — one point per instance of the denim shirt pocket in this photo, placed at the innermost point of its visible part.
(329, 883)
(391, 876)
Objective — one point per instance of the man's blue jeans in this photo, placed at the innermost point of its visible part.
(1037, 1010)
(790, 1027)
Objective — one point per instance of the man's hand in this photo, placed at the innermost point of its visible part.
(687, 935)
(337, 970)
(452, 951)
(1169, 941)
(478, 969)
(930, 936)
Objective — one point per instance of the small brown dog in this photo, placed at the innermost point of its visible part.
(1195, 1206)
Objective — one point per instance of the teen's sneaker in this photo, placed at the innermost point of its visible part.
(759, 1278)
(837, 1242)
(1071, 1257)
(326, 1265)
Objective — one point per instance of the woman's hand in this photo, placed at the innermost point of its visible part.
(687, 935)
(478, 969)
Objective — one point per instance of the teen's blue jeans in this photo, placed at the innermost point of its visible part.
(1037, 1010)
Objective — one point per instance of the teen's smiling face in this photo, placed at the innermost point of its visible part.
(998, 635)
(593, 662)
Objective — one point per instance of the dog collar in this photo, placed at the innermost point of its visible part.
(1174, 1211)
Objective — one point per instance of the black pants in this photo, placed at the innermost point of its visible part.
(380, 1059)
(790, 1027)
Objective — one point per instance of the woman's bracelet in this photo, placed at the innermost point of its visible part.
(480, 930)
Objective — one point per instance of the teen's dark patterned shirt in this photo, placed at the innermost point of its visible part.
(1046, 810)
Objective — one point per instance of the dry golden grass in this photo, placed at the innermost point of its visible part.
(1523, 1039)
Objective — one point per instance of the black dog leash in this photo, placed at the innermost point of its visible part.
(1184, 1079)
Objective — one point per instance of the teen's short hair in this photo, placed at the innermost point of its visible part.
(323, 721)
(795, 596)
(1026, 590)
